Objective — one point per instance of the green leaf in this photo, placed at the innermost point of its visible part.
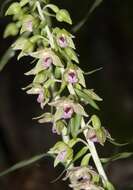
(75, 123)
(6, 57)
(86, 98)
(85, 160)
(24, 163)
(118, 156)
(63, 16)
(96, 122)
(80, 153)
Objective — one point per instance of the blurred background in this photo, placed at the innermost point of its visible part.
(105, 40)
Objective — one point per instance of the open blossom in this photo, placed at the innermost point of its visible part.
(40, 97)
(62, 41)
(68, 111)
(47, 62)
(72, 77)
(61, 156)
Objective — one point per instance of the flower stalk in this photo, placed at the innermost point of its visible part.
(60, 84)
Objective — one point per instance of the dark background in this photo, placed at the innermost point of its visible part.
(105, 40)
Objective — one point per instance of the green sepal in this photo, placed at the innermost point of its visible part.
(92, 94)
(45, 118)
(86, 98)
(71, 54)
(63, 16)
(11, 30)
(14, 9)
(96, 122)
(41, 77)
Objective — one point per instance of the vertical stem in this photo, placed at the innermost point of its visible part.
(95, 155)
(40, 11)
(66, 139)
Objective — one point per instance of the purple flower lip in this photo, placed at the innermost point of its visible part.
(61, 156)
(40, 97)
(47, 62)
(72, 77)
(68, 111)
(54, 130)
(62, 42)
(92, 136)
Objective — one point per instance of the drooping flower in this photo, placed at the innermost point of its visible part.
(91, 135)
(47, 62)
(40, 97)
(72, 77)
(82, 178)
(68, 111)
(62, 41)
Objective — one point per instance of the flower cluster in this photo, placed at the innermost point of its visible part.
(59, 83)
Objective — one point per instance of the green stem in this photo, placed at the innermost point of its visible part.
(40, 11)
(95, 155)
